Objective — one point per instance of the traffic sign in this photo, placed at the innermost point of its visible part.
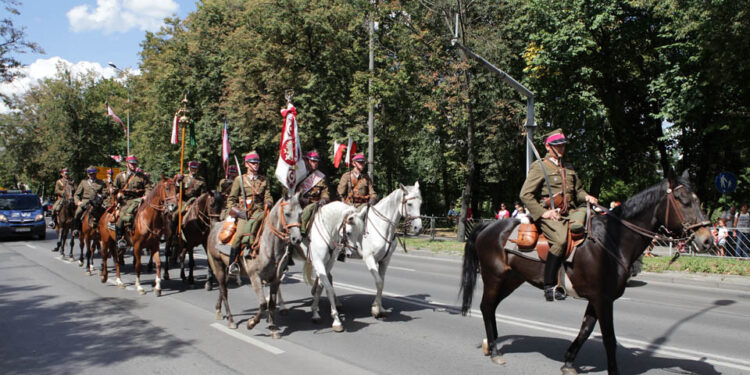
(726, 182)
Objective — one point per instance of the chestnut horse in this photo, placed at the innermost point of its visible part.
(151, 221)
(89, 236)
(196, 224)
(108, 242)
(281, 229)
(599, 270)
(65, 222)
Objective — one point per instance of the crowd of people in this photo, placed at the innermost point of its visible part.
(732, 232)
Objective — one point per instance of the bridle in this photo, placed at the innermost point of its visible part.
(344, 243)
(165, 198)
(282, 235)
(391, 223)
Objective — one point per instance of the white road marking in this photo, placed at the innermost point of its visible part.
(260, 344)
(422, 257)
(402, 268)
(714, 359)
(31, 246)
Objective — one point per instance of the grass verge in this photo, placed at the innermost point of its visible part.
(713, 265)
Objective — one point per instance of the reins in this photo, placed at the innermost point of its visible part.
(344, 243)
(392, 224)
(282, 235)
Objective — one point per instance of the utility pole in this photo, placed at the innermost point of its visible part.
(127, 86)
(370, 104)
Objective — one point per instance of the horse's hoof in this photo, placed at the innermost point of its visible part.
(88, 273)
(232, 325)
(80, 263)
(316, 320)
(122, 286)
(208, 286)
(284, 312)
(218, 315)
(337, 328)
(104, 279)
(251, 324)
(157, 292)
(568, 370)
(141, 291)
(485, 347)
(498, 359)
(275, 334)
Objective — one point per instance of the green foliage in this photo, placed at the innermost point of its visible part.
(723, 266)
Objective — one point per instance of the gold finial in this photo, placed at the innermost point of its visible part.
(184, 111)
(289, 95)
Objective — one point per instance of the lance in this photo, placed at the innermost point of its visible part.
(182, 120)
(242, 183)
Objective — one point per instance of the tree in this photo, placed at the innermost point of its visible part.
(12, 41)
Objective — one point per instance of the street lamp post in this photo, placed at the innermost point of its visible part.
(127, 85)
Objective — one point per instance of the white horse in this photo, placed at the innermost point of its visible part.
(335, 226)
(379, 240)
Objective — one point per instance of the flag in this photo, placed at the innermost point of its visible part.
(225, 149)
(290, 168)
(116, 158)
(175, 131)
(340, 148)
(110, 112)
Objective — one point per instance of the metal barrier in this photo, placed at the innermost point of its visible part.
(736, 244)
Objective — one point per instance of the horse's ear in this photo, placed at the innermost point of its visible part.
(402, 186)
(670, 176)
(685, 175)
(416, 184)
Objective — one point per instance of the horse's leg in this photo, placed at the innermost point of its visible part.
(157, 261)
(604, 311)
(181, 260)
(211, 276)
(223, 279)
(372, 265)
(258, 288)
(105, 253)
(81, 243)
(72, 247)
(315, 306)
(496, 288)
(326, 278)
(191, 264)
(589, 320)
(274, 289)
(137, 255)
(167, 251)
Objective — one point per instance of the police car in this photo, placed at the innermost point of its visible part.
(21, 214)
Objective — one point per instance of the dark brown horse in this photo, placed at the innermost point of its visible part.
(151, 221)
(65, 222)
(108, 242)
(599, 270)
(89, 235)
(281, 228)
(196, 224)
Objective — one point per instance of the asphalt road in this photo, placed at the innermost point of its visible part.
(54, 319)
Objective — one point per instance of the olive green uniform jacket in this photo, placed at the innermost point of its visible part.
(258, 194)
(357, 192)
(534, 191)
(86, 190)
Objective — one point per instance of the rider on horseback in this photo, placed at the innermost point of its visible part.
(355, 187)
(129, 187)
(193, 186)
(225, 184)
(313, 189)
(251, 212)
(86, 191)
(61, 185)
(563, 188)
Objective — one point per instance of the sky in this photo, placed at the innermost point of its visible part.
(87, 35)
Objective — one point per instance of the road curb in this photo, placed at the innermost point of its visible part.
(729, 282)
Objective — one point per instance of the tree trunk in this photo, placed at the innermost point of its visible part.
(466, 195)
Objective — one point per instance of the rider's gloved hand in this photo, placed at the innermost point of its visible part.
(322, 202)
(373, 201)
(268, 206)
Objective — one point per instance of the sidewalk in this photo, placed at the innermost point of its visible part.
(730, 282)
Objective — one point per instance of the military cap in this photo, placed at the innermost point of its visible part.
(555, 137)
(312, 155)
(193, 164)
(359, 157)
(91, 169)
(132, 160)
(232, 169)
(252, 157)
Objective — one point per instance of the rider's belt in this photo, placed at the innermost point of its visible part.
(360, 199)
(251, 198)
(558, 200)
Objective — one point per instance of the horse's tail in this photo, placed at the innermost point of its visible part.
(307, 271)
(469, 272)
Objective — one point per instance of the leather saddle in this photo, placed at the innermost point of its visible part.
(530, 238)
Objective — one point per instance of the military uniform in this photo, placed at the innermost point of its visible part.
(258, 195)
(192, 187)
(86, 190)
(60, 186)
(131, 186)
(225, 186)
(357, 191)
(313, 189)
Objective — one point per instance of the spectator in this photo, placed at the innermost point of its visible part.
(503, 213)
(730, 214)
(452, 211)
(523, 215)
(516, 205)
(742, 227)
(722, 233)
(469, 214)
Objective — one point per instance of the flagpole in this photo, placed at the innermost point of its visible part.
(182, 120)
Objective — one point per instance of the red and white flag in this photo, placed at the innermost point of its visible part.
(175, 139)
(290, 168)
(110, 112)
(116, 158)
(340, 148)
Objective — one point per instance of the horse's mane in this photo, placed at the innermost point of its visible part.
(646, 199)
(329, 210)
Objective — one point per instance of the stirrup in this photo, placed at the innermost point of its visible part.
(549, 293)
(234, 269)
(51, 225)
(122, 244)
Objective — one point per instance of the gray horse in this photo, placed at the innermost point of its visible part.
(281, 228)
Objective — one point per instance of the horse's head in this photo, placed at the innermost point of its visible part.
(354, 227)
(293, 218)
(97, 201)
(215, 202)
(170, 193)
(411, 205)
(683, 215)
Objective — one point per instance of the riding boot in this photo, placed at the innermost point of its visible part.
(53, 220)
(342, 256)
(120, 239)
(234, 268)
(551, 268)
(76, 227)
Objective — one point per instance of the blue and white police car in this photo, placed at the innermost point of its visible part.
(21, 214)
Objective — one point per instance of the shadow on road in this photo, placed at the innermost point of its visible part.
(42, 335)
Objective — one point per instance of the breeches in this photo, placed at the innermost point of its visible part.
(126, 213)
(246, 229)
(80, 210)
(556, 231)
(307, 214)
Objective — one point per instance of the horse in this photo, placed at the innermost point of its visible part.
(150, 223)
(196, 224)
(335, 225)
(89, 235)
(600, 266)
(65, 222)
(108, 242)
(379, 240)
(281, 227)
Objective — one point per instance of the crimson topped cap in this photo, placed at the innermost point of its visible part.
(232, 169)
(312, 155)
(359, 157)
(132, 160)
(555, 137)
(91, 169)
(109, 171)
(64, 170)
(193, 164)
(252, 157)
